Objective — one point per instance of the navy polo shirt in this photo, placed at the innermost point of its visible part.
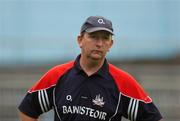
(107, 95)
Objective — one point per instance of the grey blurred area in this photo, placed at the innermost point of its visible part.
(39, 34)
(161, 81)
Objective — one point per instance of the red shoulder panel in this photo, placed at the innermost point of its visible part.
(51, 77)
(127, 85)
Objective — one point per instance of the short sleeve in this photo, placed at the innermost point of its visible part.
(135, 105)
(38, 102)
(148, 112)
(39, 98)
(137, 110)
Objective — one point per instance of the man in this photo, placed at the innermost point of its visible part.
(89, 88)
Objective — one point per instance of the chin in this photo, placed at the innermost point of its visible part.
(97, 57)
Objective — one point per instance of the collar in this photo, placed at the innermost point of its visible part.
(103, 71)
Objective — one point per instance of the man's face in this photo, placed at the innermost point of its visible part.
(95, 45)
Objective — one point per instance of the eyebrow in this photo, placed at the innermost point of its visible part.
(104, 33)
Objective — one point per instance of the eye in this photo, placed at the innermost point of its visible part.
(98, 36)
(106, 37)
(93, 36)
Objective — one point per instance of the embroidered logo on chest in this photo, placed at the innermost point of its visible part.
(98, 101)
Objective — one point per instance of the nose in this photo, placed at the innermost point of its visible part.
(99, 42)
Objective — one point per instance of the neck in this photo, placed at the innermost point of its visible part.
(90, 66)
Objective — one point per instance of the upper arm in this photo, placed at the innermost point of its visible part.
(36, 103)
(24, 117)
(135, 102)
(39, 98)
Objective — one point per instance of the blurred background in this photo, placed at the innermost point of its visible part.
(36, 35)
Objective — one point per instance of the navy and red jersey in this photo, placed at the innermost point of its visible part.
(107, 95)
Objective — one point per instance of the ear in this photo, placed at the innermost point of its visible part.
(111, 44)
(79, 40)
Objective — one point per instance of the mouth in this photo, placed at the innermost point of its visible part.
(97, 51)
